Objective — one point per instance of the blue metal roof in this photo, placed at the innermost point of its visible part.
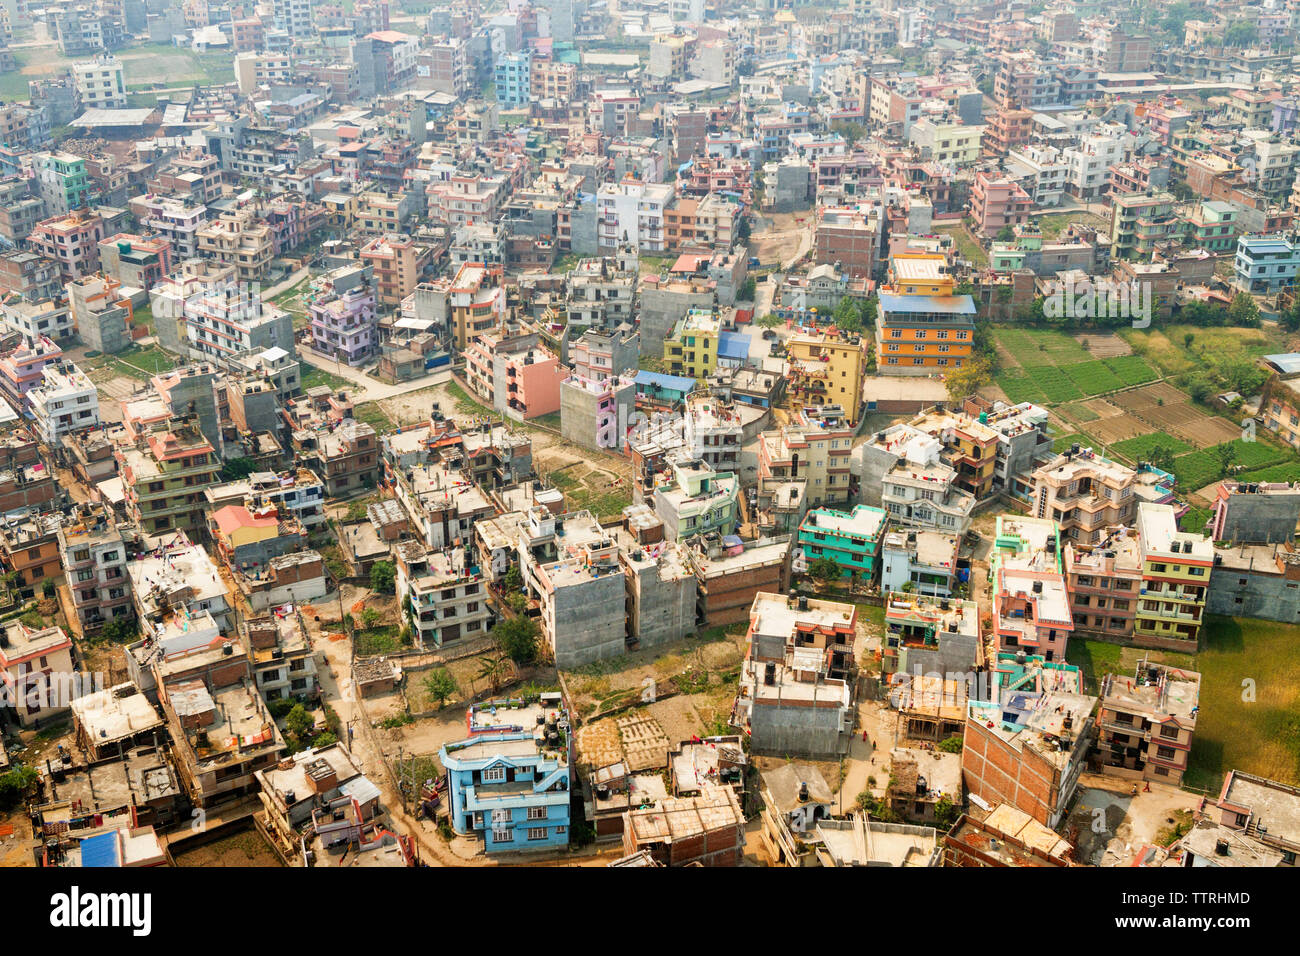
(733, 345)
(100, 850)
(951, 304)
(677, 383)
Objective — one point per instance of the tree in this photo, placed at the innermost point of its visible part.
(970, 378)
(743, 230)
(1243, 311)
(493, 670)
(517, 638)
(237, 468)
(1006, 234)
(825, 570)
(299, 724)
(1242, 33)
(769, 321)
(747, 290)
(945, 813)
(120, 630)
(1227, 453)
(440, 685)
(16, 783)
(514, 578)
(383, 577)
(951, 745)
(848, 318)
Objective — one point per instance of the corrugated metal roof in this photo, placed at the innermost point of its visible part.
(950, 304)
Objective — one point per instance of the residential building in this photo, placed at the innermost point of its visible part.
(36, 671)
(1265, 264)
(1031, 605)
(1147, 721)
(921, 562)
(509, 779)
(851, 540)
(1028, 745)
(1085, 494)
(791, 701)
(446, 593)
(827, 368)
(926, 636)
(101, 83)
(66, 401)
(164, 475)
(1176, 569)
(93, 554)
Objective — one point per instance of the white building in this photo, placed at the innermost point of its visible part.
(101, 83)
(293, 17)
(34, 319)
(633, 212)
(64, 402)
(1041, 171)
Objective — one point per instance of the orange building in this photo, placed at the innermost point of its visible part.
(924, 326)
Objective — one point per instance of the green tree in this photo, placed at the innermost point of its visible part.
(848, 317)
(121, 630)
(946, 814)
(1006, 234)
(440, 685)
(1241, 33)
(299, 724)
(769, 321)
(825, 570)
(237, 468)
(517, 638)
(383, 577)
(951, 745)
(967, 380)
(1243, 311)
(16, 783)
(514, 578)
(747, 290)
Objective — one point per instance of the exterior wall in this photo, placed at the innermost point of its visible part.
(797, 727)
(997, 772)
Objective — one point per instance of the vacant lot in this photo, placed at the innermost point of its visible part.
(1250, 688)
(1172, 351)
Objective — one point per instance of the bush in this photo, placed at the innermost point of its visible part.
(952, 745)
(517, 638)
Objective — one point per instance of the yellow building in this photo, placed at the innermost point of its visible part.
(1176, 569)
(692, 347)
(827, 368)
(946, 142)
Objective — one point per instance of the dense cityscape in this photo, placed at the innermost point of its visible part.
(649, 433)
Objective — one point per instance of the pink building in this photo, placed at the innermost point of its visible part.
(513, 371)
(996, 203)
(21, 370)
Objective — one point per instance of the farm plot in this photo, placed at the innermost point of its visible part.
(1104, 345)
(1093, 378)
(1033, 348)
(1197, 469)
(1140, 448)
(1164, 408)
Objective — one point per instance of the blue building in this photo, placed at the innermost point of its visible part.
(512, 79)
(509, 780)
(661, 388)
(1265, 264)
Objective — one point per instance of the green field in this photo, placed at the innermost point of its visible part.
(1140, 448)
(1037, 347)
(1260, 736)
(313, 376)
(1055, 369)
(1063, 442)
(1197, 469)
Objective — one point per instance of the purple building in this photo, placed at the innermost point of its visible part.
(343, 316)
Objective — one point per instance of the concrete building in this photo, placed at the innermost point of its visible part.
(827, 368)
(164, 473)
(446, 595)
(922, 562)
(1104, 582)
(1031, 605)
(1147, 721)
(36, 670)
(101, 312)
(1176, 569)
(791, 702)
(510, 780)
(925, 636)
(1085, 494)
(1255, 513)
(1255, 580)
(851, 540)
(596, 413)
(101, 83)
(1028, 746)
(66, 401)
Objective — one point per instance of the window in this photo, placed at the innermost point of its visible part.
(536, 813)
(537, 833)
(494, 775)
